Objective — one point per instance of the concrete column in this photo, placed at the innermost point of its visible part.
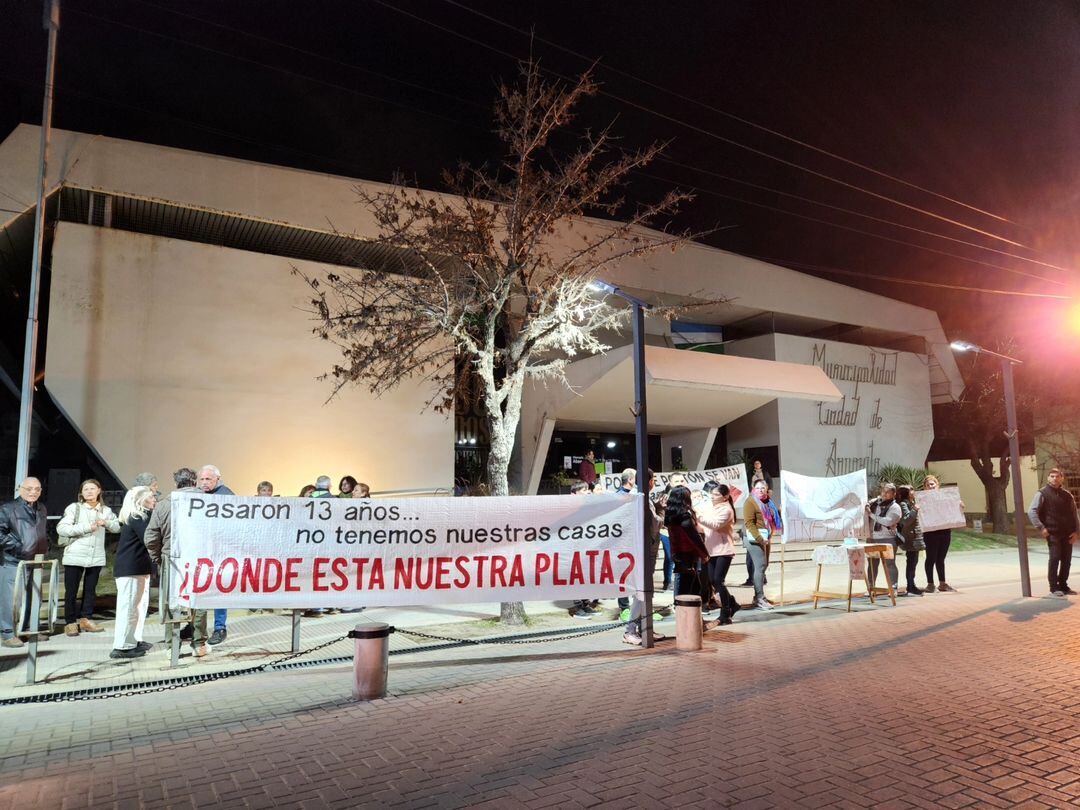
(543, 442)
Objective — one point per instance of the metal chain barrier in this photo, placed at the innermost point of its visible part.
(191, 680)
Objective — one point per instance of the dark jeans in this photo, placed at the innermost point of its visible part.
(8, 586)
(1060, 562)
(937, 546)
(687, 578)
(757, 562)
(718, 570)
(911, 566)
(73, 574)
(669, 561)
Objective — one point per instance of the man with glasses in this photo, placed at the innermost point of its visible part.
(23, 523)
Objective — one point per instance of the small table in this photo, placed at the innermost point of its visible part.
(855, 557)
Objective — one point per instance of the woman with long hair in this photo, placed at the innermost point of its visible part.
(132, 570)
(909, 535)
(82, 535)
(687, 544)
(717, 518)
(937, 547)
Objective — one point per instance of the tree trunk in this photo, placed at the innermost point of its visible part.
(502, 445)
(997, 505)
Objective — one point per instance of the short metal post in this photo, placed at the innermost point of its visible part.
(688, 623)
(35, 614)
(295, 631)
(370, 660)
(1017, 481)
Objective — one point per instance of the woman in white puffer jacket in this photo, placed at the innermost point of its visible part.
(82, 534)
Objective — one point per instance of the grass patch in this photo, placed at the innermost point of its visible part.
(966, 540)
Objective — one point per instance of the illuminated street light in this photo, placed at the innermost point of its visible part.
(642, 439)
(1013, 435)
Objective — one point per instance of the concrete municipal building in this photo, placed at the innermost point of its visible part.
(176, 335)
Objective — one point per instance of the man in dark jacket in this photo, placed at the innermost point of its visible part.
(158, 540)
(1053, 513)
(23, 524)
(210, 483)
(587, 470)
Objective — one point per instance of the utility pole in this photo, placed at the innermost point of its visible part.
(26, 400)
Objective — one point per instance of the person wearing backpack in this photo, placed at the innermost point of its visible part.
(82, 536)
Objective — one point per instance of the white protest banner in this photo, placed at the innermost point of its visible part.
(734, 476)
(230, 551)
(823, 509)
(940, 509)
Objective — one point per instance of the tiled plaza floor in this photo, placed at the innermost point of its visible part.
(965, 699)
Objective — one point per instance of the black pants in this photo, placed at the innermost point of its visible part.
(1060, 562)
(718, 570)
(73, 574)
(911, 566)
(937, 546)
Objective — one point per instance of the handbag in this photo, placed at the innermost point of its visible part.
(66, 541)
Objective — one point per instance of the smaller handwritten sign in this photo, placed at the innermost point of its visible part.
(940, 509)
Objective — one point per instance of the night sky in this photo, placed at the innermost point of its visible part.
(977, 101)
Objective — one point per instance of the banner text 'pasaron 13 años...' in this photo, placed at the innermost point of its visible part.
(230, 551)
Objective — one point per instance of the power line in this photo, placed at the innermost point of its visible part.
(351, 90)
(895, 280)
(713, 135)
(733, 198)
(882, 220)
(725, 113)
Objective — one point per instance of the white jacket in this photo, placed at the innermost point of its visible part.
(84, 545)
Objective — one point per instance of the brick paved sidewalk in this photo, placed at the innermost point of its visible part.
(951, 700)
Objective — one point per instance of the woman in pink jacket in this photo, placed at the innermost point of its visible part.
(717, 519)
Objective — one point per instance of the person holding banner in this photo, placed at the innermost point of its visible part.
(717, 517)
(687, 545)
(757, 522)
(885, 514)
(910, 536)
(637, 606)
(937, 547)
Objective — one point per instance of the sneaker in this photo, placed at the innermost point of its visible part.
(1057, 593)
(71, 629)
(12, 643)
(624, 615)
(144, 645)
(929, 588)
(87, 626)
(187, 632)
(914, 591)
(1068, 591)
(633, 638)
(200, 650)
(944, 586)
(659, 636)
(134, 652)
(763, 604)
(580, 613)
(706, 626)
(218, 636)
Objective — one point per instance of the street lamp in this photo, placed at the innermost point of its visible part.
(641, 436)
(1007, 364)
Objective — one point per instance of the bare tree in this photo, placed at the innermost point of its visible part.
(497, 275)
(977, 424)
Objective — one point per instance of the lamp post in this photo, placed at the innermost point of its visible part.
(641, 437)
(1007, 364)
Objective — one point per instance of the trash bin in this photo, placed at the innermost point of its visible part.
(688, 623)
(370, 660)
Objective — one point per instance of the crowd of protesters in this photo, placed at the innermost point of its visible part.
(699, 532)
